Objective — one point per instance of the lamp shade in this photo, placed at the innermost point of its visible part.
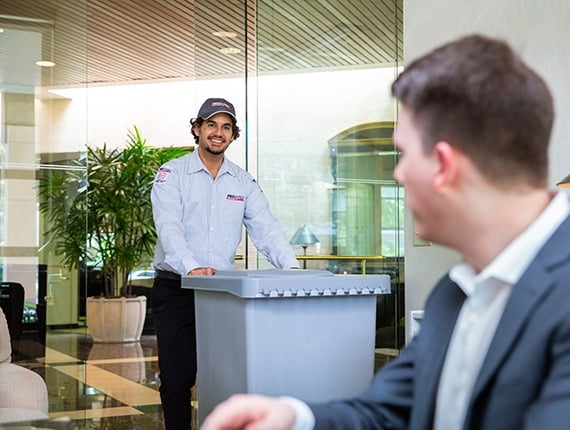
(564, 182)
(304, 236)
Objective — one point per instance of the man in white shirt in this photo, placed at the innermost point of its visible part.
(200, 203)
(494, 349)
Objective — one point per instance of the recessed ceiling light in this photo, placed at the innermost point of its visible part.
(45, 63)
(1, 30)
(230, 50)
(224, 34)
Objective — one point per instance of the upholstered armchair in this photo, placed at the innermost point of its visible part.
(23, 393)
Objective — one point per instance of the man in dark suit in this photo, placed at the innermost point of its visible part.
(493, 352)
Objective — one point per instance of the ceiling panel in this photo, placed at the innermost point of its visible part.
(141, 40)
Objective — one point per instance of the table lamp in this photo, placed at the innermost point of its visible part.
(304, 237)
(564, 182)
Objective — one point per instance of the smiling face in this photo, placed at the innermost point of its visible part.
(215, 134)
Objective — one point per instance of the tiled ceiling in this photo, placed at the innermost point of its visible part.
(141, 40)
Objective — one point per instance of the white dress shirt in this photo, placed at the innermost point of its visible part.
(199, 219)
(487, 295)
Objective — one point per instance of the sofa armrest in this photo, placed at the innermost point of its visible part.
(22, 388)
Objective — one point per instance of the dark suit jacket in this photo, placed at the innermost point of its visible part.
(524, 381)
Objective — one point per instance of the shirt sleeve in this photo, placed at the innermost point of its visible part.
(266, 232)
(167, 213)
(305, 420)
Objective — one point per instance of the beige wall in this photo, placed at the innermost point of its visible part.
(538, 29)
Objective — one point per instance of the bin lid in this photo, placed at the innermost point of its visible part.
(273, 273)
(275, 283)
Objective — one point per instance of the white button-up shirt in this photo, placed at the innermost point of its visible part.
(199, 219)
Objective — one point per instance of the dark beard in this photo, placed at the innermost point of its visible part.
(213, 151)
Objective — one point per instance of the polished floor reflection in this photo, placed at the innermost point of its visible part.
(100, 386)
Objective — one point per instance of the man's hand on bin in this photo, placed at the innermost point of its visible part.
(202, 271)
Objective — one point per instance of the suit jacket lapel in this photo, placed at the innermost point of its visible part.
(435, 336)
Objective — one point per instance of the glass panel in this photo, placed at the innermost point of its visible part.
(324, 131)
(35, 39)
(310, 82)
(221, 52)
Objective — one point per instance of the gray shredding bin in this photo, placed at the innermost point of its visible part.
(303, 333)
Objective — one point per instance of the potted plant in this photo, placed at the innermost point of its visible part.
(99, 212)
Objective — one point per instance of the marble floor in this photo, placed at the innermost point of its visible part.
(100, 386)
(106, 386)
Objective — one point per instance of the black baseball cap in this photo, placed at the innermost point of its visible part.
(213, 106)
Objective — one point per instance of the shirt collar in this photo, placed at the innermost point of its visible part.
(511, 263)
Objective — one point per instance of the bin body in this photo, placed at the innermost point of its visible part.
(307, 334)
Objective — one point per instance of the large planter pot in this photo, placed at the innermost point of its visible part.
(117, 319)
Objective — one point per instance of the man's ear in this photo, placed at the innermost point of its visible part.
(447, 158)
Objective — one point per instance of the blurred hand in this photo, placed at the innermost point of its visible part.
(251, 412)
(202, 271)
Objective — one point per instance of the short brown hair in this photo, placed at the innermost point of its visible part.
(479, 96)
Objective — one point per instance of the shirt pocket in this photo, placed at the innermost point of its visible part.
(232, 212)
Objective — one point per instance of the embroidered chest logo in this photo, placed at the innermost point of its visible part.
(162, 175)
(235, 198)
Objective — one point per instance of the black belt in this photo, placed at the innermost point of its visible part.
(167, 275)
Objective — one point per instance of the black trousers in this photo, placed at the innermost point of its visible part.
(174, 319)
